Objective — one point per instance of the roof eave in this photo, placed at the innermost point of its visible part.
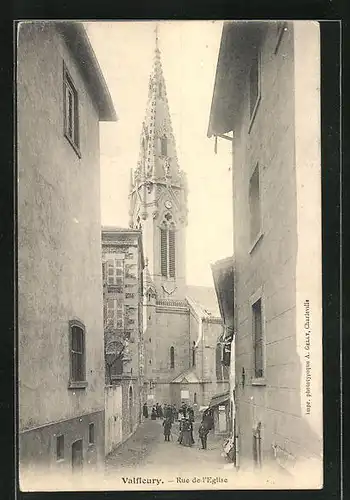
(74, 32)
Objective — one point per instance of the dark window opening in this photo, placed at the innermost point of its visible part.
(254, 205)
(77, 455)
(77, 353)
(195, 398)
(194, 354)
(60, 447)
(91, 433)
(258, 340)
(172, 357)
(71, 111)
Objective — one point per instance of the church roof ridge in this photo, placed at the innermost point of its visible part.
(205, 297)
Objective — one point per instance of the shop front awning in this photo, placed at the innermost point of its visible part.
(220, 399)
(223, 276)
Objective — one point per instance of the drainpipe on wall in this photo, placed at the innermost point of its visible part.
(233, 391)
(233, 345)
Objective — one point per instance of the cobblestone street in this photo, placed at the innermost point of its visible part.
(146, 453)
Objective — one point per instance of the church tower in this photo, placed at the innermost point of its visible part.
(158, 193)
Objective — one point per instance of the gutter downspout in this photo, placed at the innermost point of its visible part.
(233, 344)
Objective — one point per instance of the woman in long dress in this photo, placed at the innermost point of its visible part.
(186, 434)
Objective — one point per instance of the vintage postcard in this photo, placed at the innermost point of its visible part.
(169, 255)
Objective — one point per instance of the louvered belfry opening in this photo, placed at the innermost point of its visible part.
(164, 251)
(172, 253)
(167, 252)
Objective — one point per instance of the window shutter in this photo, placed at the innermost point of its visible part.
(172, 253)
(163, 252)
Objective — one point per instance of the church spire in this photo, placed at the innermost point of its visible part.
(158, 195)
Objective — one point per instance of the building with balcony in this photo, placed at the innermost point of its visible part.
(266, 101)
(61, 98)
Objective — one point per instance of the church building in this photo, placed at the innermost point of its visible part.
(182, 324)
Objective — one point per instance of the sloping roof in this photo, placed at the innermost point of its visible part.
(218, 399)
(205, 296)
(79, 44)
(223, 276)
(188, 376)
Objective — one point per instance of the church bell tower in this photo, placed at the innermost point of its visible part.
(158, 193)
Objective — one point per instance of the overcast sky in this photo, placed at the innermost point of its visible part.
(189, 51)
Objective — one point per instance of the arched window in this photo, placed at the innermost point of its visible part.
(195, 398)
(172, 357)
(163, 146)
(194, 354)
(167, 250)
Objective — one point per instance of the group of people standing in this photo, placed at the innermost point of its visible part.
(185, 416)
(167, 411)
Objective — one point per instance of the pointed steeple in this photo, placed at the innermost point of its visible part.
(158, 193)
(158, 159)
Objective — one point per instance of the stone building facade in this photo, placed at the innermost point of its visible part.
(182, 324)
(123, 264)
(266, 101)
(61, 97)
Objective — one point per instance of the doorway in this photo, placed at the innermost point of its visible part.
(257, 445)
(77, 455)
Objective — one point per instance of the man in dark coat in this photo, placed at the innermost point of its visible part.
(154, 413)
(167, 429)
(203, 432)
(145, 410)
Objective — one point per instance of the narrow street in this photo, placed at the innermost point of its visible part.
(146, 454)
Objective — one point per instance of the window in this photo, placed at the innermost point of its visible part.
(115, 272)
(115, 313)
(163, 146)
(254, 205)
(254, 84)
(77, 333)
(60, 447)
(167, 252)
(71, 111)
(195, 398)
(172, 357)
(194, 354)
(91, 433)
(172, 253)
(258, 339)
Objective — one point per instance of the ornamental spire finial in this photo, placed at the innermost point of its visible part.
(156, 35)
